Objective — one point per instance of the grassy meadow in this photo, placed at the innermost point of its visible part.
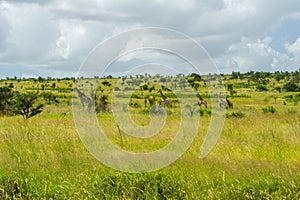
(256, 157)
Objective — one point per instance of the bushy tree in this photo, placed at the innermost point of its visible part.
(49, 97)
(102, 104)
(230, 89)
(6, 95)
(261, 88)
(291, 87)
(25, 104)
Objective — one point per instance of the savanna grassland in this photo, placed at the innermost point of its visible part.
(256, 157)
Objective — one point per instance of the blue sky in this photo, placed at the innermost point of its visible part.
(53, 37)
(286, 32)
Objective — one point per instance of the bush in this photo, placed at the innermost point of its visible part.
(261, 88)
(269, 109)
(278, 89)
(202, 112)
(102, 104)
(49, 97)
(238, 114)
(6, 95)
(291, 87)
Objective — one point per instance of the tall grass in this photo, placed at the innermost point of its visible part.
(256, 157)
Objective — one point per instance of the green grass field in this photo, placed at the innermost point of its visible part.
(256, 157)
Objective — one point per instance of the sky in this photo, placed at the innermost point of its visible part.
(54, 37)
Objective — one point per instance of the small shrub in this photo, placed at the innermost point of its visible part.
(292, 111)
(269, 109)
(202, 111)
(238, 114)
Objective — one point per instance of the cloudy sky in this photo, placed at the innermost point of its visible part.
(53, 38)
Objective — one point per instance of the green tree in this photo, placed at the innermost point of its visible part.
(291, 87)
(11, 85)
(25, 104)
(49, 97)
(106, 83)
(102, 104)
(261, 88)
(230, 89)
(53, 85)
(6, 94)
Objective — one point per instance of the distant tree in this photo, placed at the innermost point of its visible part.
(230, 89)
(235, 75)
(144, 87)
(11, 85)
(196, 77)
(40, 79)
(102, 105)
(291, 87)
(53, 85)
(25, 104)
(261, 88)
(49, 97)
(278, 88)
(278, 76)
(106, 83)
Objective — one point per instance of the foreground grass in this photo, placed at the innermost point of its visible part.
(257, 157)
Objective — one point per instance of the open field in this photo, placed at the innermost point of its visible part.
(257, 155)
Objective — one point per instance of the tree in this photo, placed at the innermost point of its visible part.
(6, 94)
(102, 105)
(25, 104)
(106, 83)
(291, 87)
(196, 77)
(234, 75)
(53, 85)
(261, 88)
(49, 97)
(11, 85)
(40, 79)
(230, 89)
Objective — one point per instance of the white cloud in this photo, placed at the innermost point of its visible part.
(72, 39)
(29, 33)
(57, 35)
(254, 54)
(294, 48)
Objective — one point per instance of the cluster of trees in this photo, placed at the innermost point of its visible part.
(41, 79)
(290, 80)
(262, 81)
